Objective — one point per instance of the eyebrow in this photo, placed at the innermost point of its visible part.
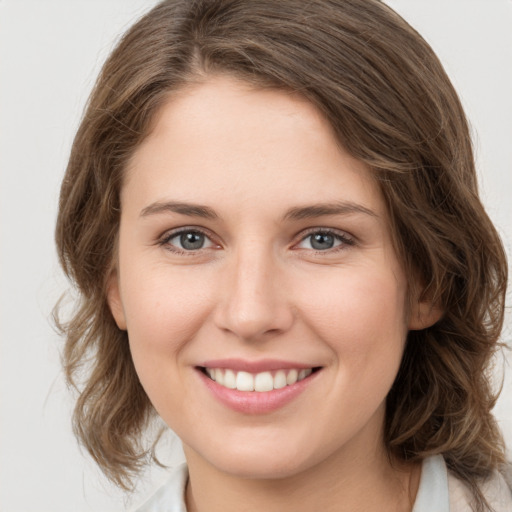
(296, 213)
(321, 209)
(190, 209)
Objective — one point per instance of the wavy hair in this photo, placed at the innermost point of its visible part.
(393, 107)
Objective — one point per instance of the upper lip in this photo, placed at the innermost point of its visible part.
(262, 365)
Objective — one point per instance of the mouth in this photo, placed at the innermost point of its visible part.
(261, 382)
(257, 386)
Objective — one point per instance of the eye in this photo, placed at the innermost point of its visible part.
(324, 240)
(187, 240)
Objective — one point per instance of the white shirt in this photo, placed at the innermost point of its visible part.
(439, 491)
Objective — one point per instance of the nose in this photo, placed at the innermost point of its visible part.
(253, 302)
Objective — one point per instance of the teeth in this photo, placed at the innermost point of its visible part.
(244, 381)
(219, 376)
(230, 379)
(260, 382)
(304, 373)
(263, 382)
(279, 379)
(292, 376)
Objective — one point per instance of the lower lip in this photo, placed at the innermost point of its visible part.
(254, 402)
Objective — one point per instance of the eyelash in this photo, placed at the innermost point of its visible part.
(167, 237)
(341, 236)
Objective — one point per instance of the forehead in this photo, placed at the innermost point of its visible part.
(224, 140)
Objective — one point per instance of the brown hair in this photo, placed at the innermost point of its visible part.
(392, 106)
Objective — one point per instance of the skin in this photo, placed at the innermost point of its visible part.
(257, 289)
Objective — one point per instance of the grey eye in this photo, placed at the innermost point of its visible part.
(322, 241)
(192, 240)
(188, 240)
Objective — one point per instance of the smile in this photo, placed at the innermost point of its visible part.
(258, 382)
(257, 387)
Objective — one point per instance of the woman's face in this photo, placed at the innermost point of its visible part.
(254, 249)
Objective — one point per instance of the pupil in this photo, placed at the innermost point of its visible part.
(192, 241)
(322, 241)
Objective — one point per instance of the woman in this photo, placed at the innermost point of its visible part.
(271, 213)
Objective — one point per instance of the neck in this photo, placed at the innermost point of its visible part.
(344, 482)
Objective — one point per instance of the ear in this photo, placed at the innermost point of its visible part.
(114, 301)
(424, 313)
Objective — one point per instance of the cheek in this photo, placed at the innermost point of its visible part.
(359, 314)
(362, 321)
(164, 310)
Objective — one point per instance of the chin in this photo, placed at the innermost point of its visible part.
(257, 460)
(260, 467)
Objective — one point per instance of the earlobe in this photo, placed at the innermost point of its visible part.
(114, 301)
(424, 314)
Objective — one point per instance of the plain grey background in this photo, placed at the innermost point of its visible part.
(50, 54)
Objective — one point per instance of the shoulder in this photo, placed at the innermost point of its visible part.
(437, 487)
(496, 489)
(170, 497)
(442, 491)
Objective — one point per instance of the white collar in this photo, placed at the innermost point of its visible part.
(433, 489)
(438, 491)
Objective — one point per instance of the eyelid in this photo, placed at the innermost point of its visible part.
(172, 233)
(346, 238)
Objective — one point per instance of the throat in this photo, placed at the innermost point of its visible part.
(319, 488)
